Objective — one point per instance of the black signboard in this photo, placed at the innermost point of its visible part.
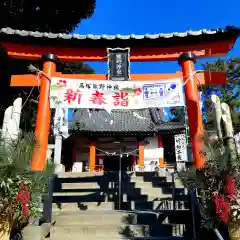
(118, 64)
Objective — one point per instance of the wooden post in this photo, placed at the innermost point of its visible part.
(141, 154)
(43, 114)
(92, 156)
(187, 60)
(160, 145)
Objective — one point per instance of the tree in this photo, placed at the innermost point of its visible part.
(229, 93)
(44, 15)
(177, 114)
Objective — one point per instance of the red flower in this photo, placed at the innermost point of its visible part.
(230, 188)
(23, 197)
(137, 91)
(24, 187)
(222, 206)
(62, 83)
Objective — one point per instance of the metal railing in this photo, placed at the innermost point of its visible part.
(48, 200)
(173, 190)
(193, 204)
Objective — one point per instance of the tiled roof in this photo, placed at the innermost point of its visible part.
(21, 35)
(123, 121)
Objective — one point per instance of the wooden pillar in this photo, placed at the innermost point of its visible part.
(160, 145)
(141, 154)
(92, 156)
(42, 129)
(187, 60)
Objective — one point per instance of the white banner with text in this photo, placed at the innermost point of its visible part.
(76, 93)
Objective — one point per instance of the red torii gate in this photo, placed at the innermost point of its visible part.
(182, 47)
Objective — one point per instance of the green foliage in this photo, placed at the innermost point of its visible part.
(43, 15)
(178, 114)
(15, 171)
(230, 93)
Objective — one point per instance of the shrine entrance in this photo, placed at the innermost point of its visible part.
(112, 163)
(119, 51)
(116, 155)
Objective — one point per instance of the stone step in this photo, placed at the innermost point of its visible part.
(156, 192)
(134, 217)
(103, 197)
(166, 204)
(80, 207)
(78, 174)
(110, 185)
(66, 197)
(114, 173)
(89, 217)
(107, 181)
(150, 191)
(120, 238)
(161, 204)
(77, 231)
(114, 177)
(93, 185)
(88, 187)
(108, 178)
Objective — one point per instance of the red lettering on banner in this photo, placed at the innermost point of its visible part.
(72, 96)
(98, 98)
(121, 98)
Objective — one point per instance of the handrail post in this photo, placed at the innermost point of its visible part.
(120, 180)
(47, 202)
(173, 192)
(192, 202)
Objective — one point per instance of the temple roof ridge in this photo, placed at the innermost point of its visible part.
(123, 121)
(50, 35)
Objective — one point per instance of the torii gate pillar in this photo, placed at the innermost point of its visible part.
(187, 60)
(43, 114)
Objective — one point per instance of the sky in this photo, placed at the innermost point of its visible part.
(159, 16)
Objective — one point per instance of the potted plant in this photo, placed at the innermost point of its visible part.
(217, 187)
(21, 188)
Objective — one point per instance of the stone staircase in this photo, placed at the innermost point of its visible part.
(87, 205)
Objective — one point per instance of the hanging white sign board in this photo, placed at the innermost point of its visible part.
(180, 147)
(73, 93)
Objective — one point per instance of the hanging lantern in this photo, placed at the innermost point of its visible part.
(118, 64)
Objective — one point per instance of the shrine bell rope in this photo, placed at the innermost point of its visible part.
(117, 154)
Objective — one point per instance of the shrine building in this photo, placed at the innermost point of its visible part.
(98, 139)
(125, 132)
